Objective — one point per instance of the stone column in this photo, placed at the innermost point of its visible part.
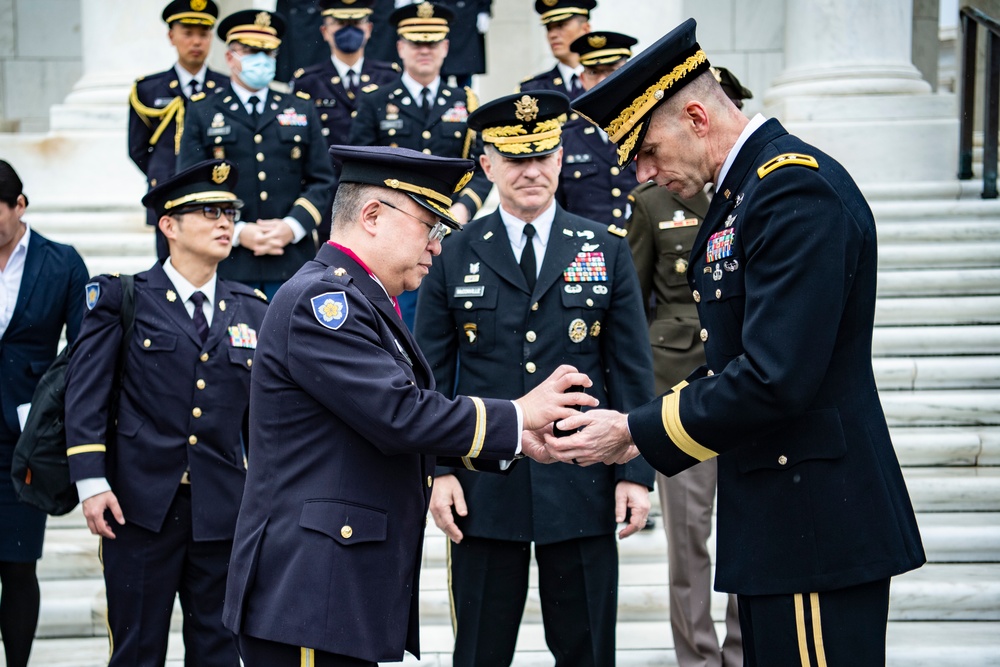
(850, 87)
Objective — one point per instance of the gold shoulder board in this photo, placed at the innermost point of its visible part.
(198, 96)
(261, 295)
(299, 72)
(396, 67)
(785, 159)
(617, 231)
(369, 88)
(299, 93)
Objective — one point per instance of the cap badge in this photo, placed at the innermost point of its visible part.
(199, 5)
(349, 2)
(220, 173)
(527, 108)
(262, 20)
(597, 41)
(550, 3)
(425, 10)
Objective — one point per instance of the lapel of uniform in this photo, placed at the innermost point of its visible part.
(34, 260)
(559, 252)
(275, 104)
(234, 109)
(492, 246)
(161, 289)
(441, 102)
(221, 318)
(400, 97)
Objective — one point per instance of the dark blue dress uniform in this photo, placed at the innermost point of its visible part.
(811, 501)
(466, 45)
(286, 171)
(549, 80)
(329, 539)
(591, 184)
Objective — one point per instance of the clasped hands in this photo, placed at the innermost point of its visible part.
(266, 237)
(601, 436)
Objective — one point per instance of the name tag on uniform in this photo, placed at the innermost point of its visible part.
(466, 292)
(219, 131)
(161, 102)
(674, 224)
(390, 124)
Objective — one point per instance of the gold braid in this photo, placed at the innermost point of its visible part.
(471, 104)
(174, 109)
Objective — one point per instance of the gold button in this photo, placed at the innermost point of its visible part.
(704, 335)
(430, 481)
(218, 140)
(718, 294)
(263, 196)
(204, 356)
(297, 138)
(697, 296)
(458, 135)
(530, 367)
(392, 132)
(576, 174)
(710, 373)
(615, 192)
(256, 138)
(534, 306)
(782, 460)
(617, 212)
(192, 440)
(147, 343)
(590, 302)
(261, 176)
(200, 384)
(615, 171)
(324, 117)
(249, 363)
(260, 157)
(468, 305)
(427, 151)
(426, 134)
(346, 532)
(196, 412)
(531, 336)
(325, 131)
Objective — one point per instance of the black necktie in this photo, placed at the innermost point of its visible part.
(198, 317)
(194, 87)
(351, 80)
(528, 257)
(425, 102)
(574, 86)
(254, 114)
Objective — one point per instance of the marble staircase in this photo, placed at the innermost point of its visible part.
(937, 363)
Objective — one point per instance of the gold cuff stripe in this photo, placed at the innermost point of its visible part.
(195, 17)
(480, 435)
(670, 413)
(563, 13)
(307, 657)
(590, 58)
(396, 184)
(85, 449)
(817, 630)
(215, 195)
(468, 192)
(634, 112)
(800, 631)
(786, 158)
(310, 209)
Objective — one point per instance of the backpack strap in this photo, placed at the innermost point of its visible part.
(128, 325)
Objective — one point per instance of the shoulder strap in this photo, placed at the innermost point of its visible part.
(127, 314)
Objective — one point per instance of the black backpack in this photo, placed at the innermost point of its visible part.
(40, 471)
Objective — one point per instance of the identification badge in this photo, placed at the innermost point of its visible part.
(219, 131)
(390, 124)
(466, 292)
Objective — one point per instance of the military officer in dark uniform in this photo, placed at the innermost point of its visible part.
(163, 493)
(516, 294)
(276, 140)
(158, 101)
(662, 231)
(326, 564)
(591, 183)
(418, 111)
(467, 42)
(565, 21)
(382, 45)
(813, 513)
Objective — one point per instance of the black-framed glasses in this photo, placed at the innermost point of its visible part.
(436, 232)
(247, 50)
(213, 212)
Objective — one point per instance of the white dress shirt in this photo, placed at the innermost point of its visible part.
(567, 73)
(413, 87)
(543, 227)
(10, 279)
(750, 128)
(185, 78)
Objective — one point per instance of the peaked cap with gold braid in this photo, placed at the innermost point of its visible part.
(523, 124)
(191, 12)
(208, 182)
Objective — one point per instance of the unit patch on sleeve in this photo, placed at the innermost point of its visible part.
(330, 309)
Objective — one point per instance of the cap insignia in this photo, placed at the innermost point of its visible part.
(198, 5)
(262, 20)
(220, 173)
(550, 3)
(597, 41)
(349, 2)
(425, 10)
(527, 108)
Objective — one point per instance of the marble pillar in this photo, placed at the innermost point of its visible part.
(849, 86)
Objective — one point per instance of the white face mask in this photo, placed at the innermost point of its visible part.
(257, 70)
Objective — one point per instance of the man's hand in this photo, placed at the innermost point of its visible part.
(275, 234)
(548, 401)
(604, 438)
(533, 444)
(460, 212)
(447, 493)
(93, 510)
(634, 497)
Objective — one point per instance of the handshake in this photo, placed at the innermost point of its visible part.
(601, 436)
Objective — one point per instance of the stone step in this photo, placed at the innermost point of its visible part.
(924, 311)
(937, 253)
(639, 644)
(56, 223)
(920, 190)
(974, 372)
(119, 263)
(935, 211)
(939, 282)
(947, 446)
(938, 489)
(938, 230)
(138, 243)
(902, 341)
(941, 408)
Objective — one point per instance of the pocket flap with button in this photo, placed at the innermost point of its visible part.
(345, 522)
(816, 435)
(672, 335)
(151, 340)
(241, 356)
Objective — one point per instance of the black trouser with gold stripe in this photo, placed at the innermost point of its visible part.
(839, 628)
(265, 653)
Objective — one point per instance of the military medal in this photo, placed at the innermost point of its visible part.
(730, 220)
(574, 289)
(720, 245)
(171, 295)
(577, 330)
(681, 265)
(587, 267)
(595, 329)
(731, 266)
(590, 247)
(470, 332)
(600, 289)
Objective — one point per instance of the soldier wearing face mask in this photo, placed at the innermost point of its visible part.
(276, 139)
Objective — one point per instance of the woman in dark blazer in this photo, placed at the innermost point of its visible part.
(41, 289)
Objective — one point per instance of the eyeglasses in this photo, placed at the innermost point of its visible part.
(437, 231)
(245, 50)
(212, 212)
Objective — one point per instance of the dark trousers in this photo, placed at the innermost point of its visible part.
(839, 628)
(578, 587)
(144, 571)
(264, 653)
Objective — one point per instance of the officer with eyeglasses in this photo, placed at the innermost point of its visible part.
(276, 139)
(163, 493)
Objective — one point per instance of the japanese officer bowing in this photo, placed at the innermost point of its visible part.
(344, 427)
(163, 491)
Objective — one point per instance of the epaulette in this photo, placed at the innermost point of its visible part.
(305, 96)
(371, 87)
(786, 159)
(260, 295)
(471, 100)
(198, 96)
(299, 72)
(396, 67)
(617, 231)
